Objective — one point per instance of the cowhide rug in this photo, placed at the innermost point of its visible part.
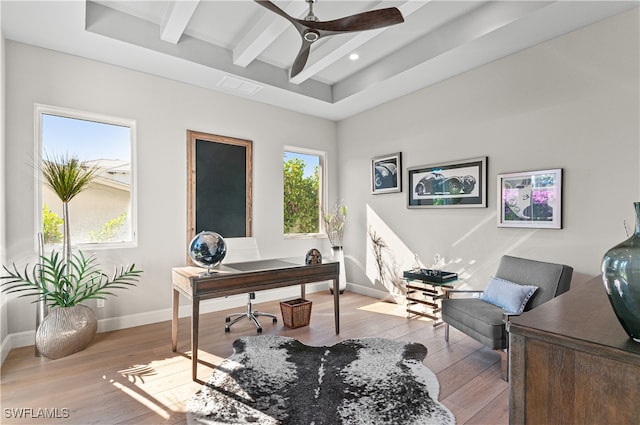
(279, 380)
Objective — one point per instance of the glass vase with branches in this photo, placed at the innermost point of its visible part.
(335, 221)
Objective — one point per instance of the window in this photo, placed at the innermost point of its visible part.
(303, 191)
(104, 214)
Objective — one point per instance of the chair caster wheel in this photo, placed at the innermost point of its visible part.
(227, 319)
(275, 320)
(259, 330)
(226, 330)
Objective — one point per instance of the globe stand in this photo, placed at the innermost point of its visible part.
(208, 272)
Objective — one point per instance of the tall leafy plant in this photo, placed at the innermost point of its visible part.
(68, 280)
(67, 283)
(67, 177)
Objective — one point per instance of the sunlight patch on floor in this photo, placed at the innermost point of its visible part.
(142, 399)
(133, 380)
(391, 309)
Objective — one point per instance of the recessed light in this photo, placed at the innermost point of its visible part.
(354, 56)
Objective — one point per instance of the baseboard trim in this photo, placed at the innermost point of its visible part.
(370, 292)
(15, 340)
(5, 347)
(26, 338)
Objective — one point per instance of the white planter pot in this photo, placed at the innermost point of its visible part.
(338, 255)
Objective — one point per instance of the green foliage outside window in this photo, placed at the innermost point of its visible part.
(301, 200)
(51, 223)
(109, 230)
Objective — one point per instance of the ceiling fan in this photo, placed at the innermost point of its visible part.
(311, 29)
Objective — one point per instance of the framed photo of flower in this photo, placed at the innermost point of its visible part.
(530, 199)
(386, 173)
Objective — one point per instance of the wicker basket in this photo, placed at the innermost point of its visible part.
(296, 313)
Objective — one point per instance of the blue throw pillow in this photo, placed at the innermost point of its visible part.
(511, 297)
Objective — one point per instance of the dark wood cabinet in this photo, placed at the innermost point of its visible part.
(572, 363)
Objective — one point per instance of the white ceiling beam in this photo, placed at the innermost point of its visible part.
(264, 32)
(334, 50)
(176, 19)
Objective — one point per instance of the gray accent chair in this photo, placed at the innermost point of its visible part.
(486, 322)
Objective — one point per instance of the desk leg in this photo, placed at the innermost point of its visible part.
(303, 291)
(195, 323)
(174, 321)
(336, 304)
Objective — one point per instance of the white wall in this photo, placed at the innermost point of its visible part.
(3, 309)
(164, 111)
(570, 103)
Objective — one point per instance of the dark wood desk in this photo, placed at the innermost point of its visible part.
(572, 363)
(241, 278)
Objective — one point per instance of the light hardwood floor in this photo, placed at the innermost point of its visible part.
(131, 376)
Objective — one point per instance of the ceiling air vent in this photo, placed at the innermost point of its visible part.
(240, 86)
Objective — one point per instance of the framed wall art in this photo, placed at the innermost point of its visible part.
(461, 184)
(386, 173)
(530, 199)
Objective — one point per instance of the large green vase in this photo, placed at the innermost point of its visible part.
(621, 276)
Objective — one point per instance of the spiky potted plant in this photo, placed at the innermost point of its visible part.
(64, 282)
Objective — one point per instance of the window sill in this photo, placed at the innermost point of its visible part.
(306, 236)
(93, 246)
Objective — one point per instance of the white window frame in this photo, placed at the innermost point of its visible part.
(322, 191)
(41, 110)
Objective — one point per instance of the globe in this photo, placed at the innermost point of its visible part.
(207, 249)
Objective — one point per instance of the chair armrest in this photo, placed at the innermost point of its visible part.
(460, 291)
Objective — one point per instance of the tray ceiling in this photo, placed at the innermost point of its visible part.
(239, 47)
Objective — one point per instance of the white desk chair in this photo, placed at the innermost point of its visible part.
(239, 250)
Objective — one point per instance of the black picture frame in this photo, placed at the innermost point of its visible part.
(458, 184)
(386, 173)
(530, 199)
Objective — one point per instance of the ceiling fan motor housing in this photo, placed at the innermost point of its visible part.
(311, 35)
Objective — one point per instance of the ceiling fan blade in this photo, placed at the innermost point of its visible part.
(360, 22)
(312, 30)
(301, 59)
(272, 7)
